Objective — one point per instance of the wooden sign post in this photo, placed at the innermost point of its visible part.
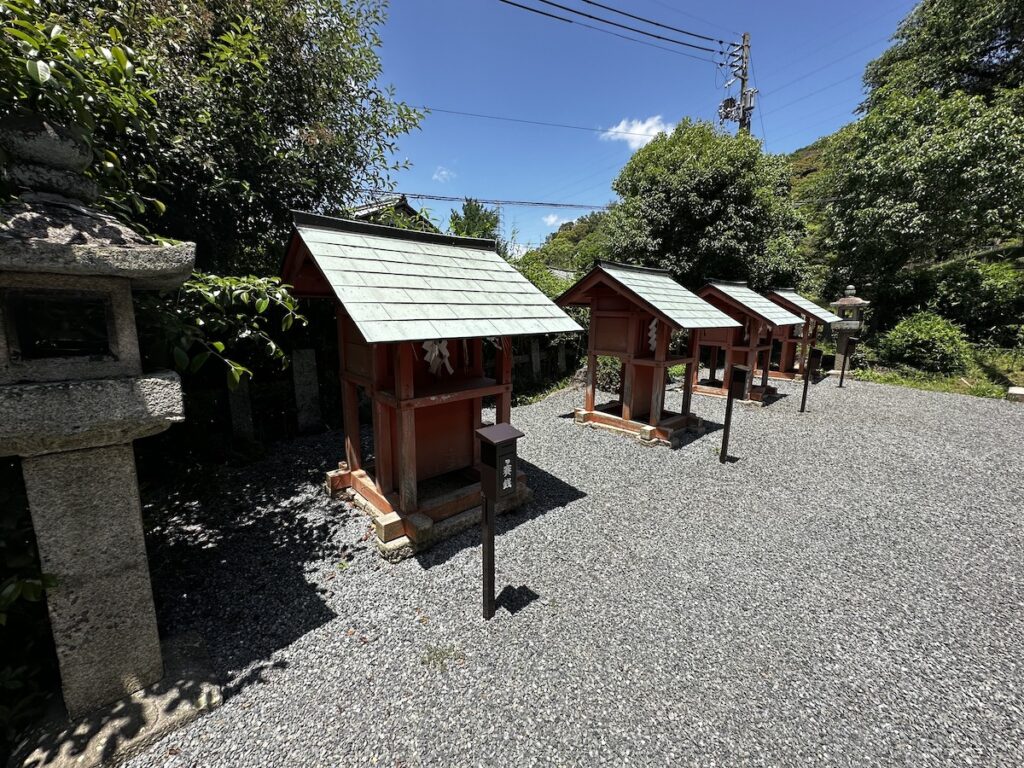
(498, 467)
(851, 347)
(737, 388)
(813, 362)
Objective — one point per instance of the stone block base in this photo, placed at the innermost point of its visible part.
(88, 522)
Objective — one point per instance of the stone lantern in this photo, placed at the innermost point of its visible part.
(850, 310)
(73, 397)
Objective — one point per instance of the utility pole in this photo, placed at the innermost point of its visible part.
(744, 74)
(731, 109)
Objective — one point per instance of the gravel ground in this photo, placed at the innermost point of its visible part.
(849, 591)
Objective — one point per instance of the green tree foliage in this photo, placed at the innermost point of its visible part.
(921, 178)
(223, 318)
(86, 78)
(946, 46)
(576, 245)
(534, 269)
(928, 342)
(475, 220)
(263, 106)
(703, 203)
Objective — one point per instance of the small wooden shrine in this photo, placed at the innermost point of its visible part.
(796, 341)
(757, 319)
(415, 311)
(633, 313)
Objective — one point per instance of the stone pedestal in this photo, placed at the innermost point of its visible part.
(88, 522)
(72, 398)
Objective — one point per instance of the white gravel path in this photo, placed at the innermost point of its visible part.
(849, 592)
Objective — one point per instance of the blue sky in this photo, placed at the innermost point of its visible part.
(486, 57)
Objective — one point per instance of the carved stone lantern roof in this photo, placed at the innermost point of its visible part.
(848, 300)
(48, 233)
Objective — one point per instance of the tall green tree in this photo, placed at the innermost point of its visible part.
(921, 178)
(704, 203)
(263, 106)
(945, 46)
(475, 220)
(577, 244)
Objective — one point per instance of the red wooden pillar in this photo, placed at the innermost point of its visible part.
(349, 402)
(476, 366)
(591, 382)
(383, 472)
(714, 364)
(693, 352)
(630, 378)
(658, 379)
(804, 342)
(407, 478)
(503, 374)
(767, 354)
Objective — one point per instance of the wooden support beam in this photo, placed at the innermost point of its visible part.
(658, 377)
(628, 380)
(503, 375)
(590, 384)
(383, 469)
(407, 476)
(591, 381)
(804, 342)
(693, 349)
(350, 419)
(405, 462)
(761, 328)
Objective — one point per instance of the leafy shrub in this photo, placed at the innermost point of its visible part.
(928, 342)
(85, 77)
(609, 374)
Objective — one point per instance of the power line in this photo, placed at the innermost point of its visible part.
(486, 201)
(608, 32)
(602, 131)
(821, 67)
(760, 112)
(814, 93)
(635, 30)
(694, 17)
(655, 23)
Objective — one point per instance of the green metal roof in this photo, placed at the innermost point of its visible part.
(657, 288)
(756, 303)
(399, 285)
(805, 304)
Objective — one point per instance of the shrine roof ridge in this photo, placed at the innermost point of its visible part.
(305, 219)
(635, 267)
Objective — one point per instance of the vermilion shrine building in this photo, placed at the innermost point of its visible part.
(796, 341)
(414, 312)
(757, 319)
(633, 313)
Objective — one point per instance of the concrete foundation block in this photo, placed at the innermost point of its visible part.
(88, 521)
(1016, 394)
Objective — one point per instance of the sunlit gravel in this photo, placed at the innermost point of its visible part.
(849, 591)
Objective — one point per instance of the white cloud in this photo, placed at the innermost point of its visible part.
(637, 133)
(554, 220)
(443, 174)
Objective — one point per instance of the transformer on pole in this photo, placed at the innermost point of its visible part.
(733, 109)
